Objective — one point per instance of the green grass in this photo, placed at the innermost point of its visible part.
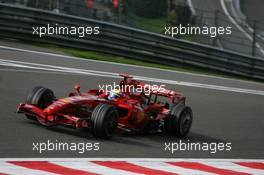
(195, 38)
(149, 24)
(157, 25)
(117, 59)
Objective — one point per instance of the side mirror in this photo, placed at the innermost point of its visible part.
(77, 88)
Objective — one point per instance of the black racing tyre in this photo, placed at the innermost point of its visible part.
(180, 121)
(104, 121)
(40, 97)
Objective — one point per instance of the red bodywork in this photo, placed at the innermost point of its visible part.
(135, 110)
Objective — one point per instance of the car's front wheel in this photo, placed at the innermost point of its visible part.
(40, 97)
(104, 121)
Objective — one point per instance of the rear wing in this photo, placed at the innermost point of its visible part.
(174, 96)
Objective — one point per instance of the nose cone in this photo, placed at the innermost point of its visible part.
(62, 105)
(58, 106)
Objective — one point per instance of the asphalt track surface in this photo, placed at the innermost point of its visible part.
(219, 115)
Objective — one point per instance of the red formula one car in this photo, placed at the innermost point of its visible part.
(153, 109)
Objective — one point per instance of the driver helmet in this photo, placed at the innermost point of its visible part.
(114, 94)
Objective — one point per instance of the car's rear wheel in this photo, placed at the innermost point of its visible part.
(179, 121)
(40, 97)
(104, 121)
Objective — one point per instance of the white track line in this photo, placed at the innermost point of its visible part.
(115, 75)
(58, 69)
(122, 64)
(37, 71)
(191, 7)
(238, 26)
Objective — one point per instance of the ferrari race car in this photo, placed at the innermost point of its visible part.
(159, 110)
